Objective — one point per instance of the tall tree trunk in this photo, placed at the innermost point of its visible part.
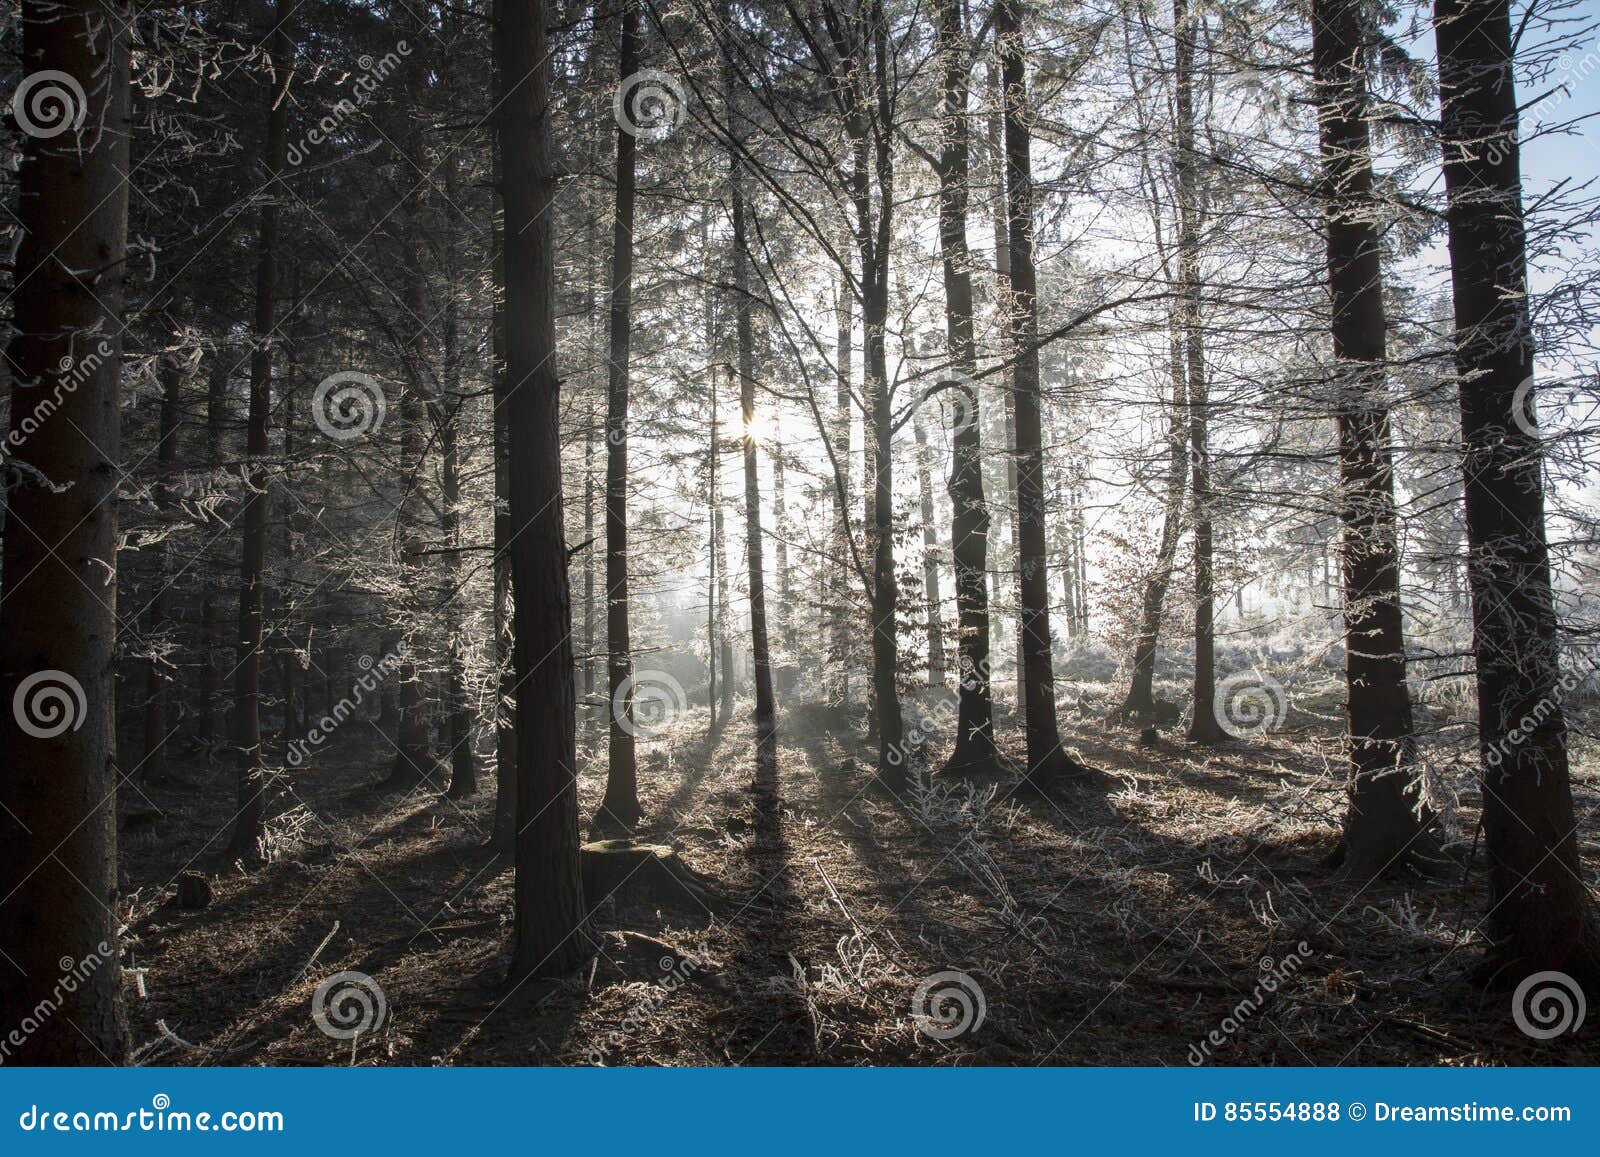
(1046, 759)
(766, 708)
(930, 558)
(1382, 825)
(549, 937)
(1204, 727)
(969, 512)
(620, 809)
(1541, 913)
(844, 408)
(1139, 707)
(249, 829)
(463, 761)
(58, 835)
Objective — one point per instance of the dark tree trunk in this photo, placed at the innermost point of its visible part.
(1204, 726)
(549, 937)
(969, 512)
(620, 808)
(844, 407)
(1046, 759)
(255, 783)
(930, 558)
(463, 761)
(1139, 707)
(1382, 826)
(1541, 913)
(58, 837)
(766, 708)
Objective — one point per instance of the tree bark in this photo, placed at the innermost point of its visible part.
(58, 836)
(1046, 758)
(1541, 913)
(969, 512)
(254, 782)
(1383, 824)
(620, 809)
(549, 936)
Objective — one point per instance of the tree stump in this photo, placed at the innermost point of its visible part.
(631, 872)
(194, 891)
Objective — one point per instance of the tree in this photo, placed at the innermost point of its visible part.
(1383, 825)
(1047, 759)
(255, 781)
(1541, 914)
(58, 839)
(620, 808)
(548, 934)
(969, 512)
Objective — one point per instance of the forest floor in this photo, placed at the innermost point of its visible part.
(1118, 921)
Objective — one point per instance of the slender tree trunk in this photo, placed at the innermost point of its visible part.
(1383, 824)
(1541, 913)
(549, 937)
(844, 408)
(969, 512)
(1204, 727)
(930, 558)
(463, 762)
(249, 829)
(1139, 707)
(58, 835)
(766, 708)
(620, 808)
(1046, 759)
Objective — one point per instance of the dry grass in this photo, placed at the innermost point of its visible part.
(1117, 922)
